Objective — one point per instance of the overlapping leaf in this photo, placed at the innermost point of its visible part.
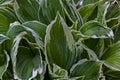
(7, 16)
(4, 57)
(94, 29)
(61, 74)
(38, 27)
(1, 1)
(60, 45)
(86, 2)
(117, 33)
(88, 12)
(102, 11)
(72, 14)
(16, 33)
(4, 60)
(3, 38)
(111, 57)
(28, 62)
(37, 53)
(113, 73)
(26, 10)
(113, 12)
(48, 10)
(89, 69)
(37, 30)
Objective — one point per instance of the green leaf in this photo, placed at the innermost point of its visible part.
(74, 78)
(16, 33)
(89, 69)
(87, 2)
(38, 32)
(112, 73)
(3, 38)
(35, 32)
(1, 1)
(77, 35)
(94, 29)
(102, 11)
(14, 49)
(26, 10)
(9, 13)
(79, 51)
(75, 1)
(113, 12)
(4, 57)
(71, 13)
(111, 78)
(38, 27)
(7, 16)
(61, 74)
(97, 45)
(48, 10)
(113, 23)
(28, 63)
(87, 11)
(92, 55)
(3, 24)
(117, 33)
(112, 57)
(14, 29)
(59, 44)
(58, 72)
(31, 63)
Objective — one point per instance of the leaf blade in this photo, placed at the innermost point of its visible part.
(65, 50)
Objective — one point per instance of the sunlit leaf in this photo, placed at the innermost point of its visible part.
(111, 56)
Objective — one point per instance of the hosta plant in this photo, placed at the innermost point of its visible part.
(60, 39)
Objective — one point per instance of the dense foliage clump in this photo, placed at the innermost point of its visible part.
(60, 39)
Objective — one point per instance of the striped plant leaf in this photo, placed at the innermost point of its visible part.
(94, 29)
(63, 54)
(111, 56)
(89, 69)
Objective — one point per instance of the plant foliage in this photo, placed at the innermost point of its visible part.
(60, 39)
